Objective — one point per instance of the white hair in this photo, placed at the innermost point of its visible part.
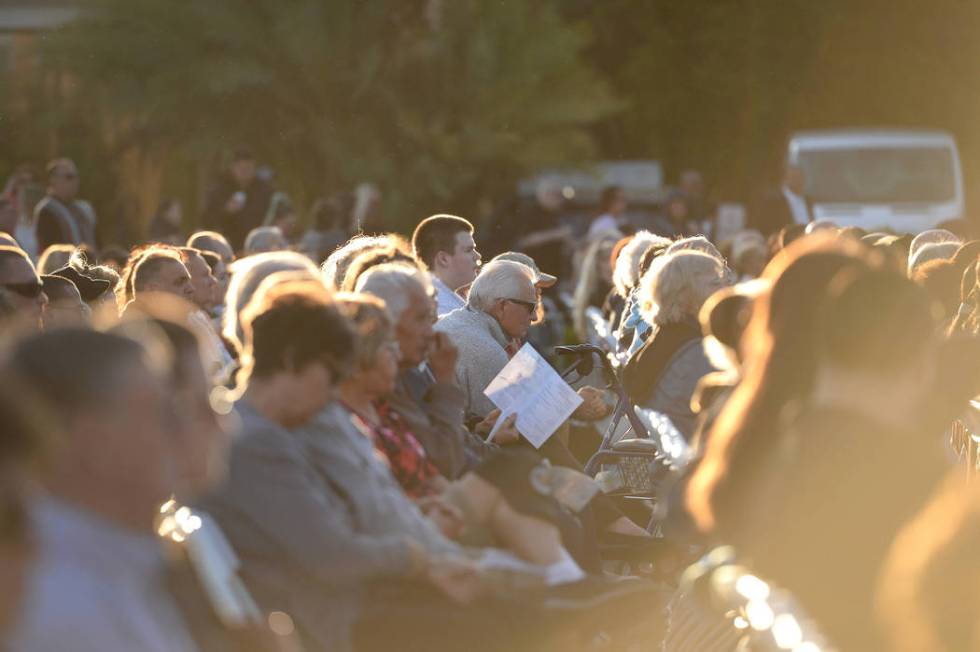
(501, 279)
(627, 270)
(669, 288)
(247, 275)
(932, 236)
(334, 268)
(932, 251)
(264, 238)
(695, 243)
(394, 283)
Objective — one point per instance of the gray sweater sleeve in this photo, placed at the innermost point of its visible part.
(305, 522)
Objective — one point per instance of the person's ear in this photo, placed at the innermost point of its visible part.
(441, 260)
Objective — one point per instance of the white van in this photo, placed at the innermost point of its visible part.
(906, 181)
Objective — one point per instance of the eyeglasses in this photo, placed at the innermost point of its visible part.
(531, 306)
(26, 290)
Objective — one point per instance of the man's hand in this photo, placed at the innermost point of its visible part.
(235, 203)
(593, 407)
(457, 578)
(445, 516)
(508, 433)
(442, 359)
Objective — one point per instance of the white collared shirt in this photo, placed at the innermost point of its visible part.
(797, 206)
(446, 299)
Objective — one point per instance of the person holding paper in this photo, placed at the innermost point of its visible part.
(502, 305)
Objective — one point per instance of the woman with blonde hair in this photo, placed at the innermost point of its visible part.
(664, 373)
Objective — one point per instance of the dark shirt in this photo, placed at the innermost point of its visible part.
(59, 222)
(235, 226)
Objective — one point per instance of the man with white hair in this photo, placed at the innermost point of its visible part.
(502, 304)
(432, 406)
(265, 238)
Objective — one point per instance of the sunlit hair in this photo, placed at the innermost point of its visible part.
(932, 236)
(246, 276)
(670, 292)
(54, 258)
(334, 268)
(262, 239)
(294, 324)
(501, 279)
(779, 368)
(437, 233)
(150, 264)
(395, 283)
(211, 241)
(590, 276)
(930, 252)
(695, 243)
(124, 288)
(931, 576)
(371, 323)
(626, 273)
(370, 258)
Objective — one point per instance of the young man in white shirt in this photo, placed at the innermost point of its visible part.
(444, 245)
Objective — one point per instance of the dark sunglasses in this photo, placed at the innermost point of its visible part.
(531, 307)
(26, 290)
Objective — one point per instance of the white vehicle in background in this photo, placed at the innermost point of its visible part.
(905, 181)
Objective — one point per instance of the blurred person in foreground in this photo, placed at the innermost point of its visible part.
(444, 245)
(873, 397)
(22, 446)
(100, 583)
(60, 217)
(931, 578)
(281, 516)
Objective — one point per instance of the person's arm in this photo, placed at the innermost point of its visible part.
(50, 230)
(309, 523)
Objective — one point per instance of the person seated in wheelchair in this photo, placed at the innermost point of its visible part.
(665, 372)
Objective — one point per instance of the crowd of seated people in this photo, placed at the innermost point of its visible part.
(211, 449)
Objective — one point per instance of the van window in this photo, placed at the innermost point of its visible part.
(883, 175)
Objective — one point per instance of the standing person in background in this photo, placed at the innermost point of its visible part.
(62, 218)
(330, 226)
(166, 223)
(700, 207)
(239, 201)
(445, 245)
(612, 205)
(787, 205)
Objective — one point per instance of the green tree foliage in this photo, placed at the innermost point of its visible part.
(439, 103)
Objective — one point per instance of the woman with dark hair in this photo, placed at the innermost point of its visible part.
(810, 472)
(780, 363)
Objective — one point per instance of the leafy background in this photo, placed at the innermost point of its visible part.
(444, 104)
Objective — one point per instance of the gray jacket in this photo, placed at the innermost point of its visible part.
(435, 414)
(482, 354)
(302, 547)
(676, 386)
